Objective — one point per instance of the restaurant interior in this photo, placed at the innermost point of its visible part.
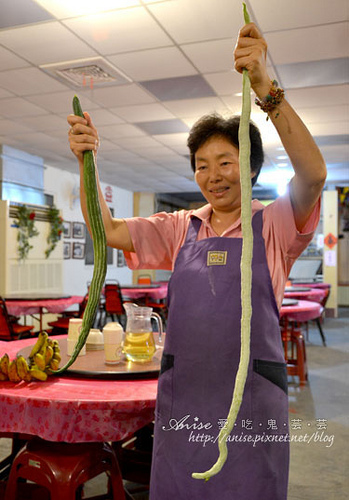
(146, 70)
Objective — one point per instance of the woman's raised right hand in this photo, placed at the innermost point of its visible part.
(82, 135)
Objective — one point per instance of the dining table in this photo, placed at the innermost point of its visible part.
(305, 293)
(76, 408)
(154, 291)
(31, 305)
(302, 311)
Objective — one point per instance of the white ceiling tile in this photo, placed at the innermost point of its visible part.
(309, 44)
(188, 108)
(149, 112)
(212, 56)
(4, 93)
(166, 62)
(18, 107)
(318, 96)
(9, 127)
(28, 81)
(172, 139)
(61, 102)
(8, 60)
(46, 123)
(104, 117)
(120, 131)
(136, 143)
(225, 83)
(335, 128)
(323, 114)
(122, 95)
(298, 13)
(195, 20)
(66, 8)
(59, 45)
(120, 31)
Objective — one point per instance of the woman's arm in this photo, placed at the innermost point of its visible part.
(307, 161)
(83, 136)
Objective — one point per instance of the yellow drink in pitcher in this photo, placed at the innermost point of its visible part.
(139, 347)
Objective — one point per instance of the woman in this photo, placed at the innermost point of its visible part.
(203, 248)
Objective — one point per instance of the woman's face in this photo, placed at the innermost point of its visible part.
(217, 173)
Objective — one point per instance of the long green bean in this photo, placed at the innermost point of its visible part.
(99, 247)
(246, 274)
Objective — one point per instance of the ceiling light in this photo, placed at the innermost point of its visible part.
(72, 8)
(282, 157)
(282, 164)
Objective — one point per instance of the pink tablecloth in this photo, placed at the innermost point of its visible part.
(305, 310)
(75, 409)
(314, 294)
(152, 293)
(54, 306)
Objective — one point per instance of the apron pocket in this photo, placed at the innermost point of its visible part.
(269, 397)
(165, 389)
(273, 371)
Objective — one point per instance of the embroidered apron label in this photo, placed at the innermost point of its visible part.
(216, 258)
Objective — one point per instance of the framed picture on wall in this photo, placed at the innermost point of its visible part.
(66, 250)
(78, 250)
(120, 260)
(66, 229)
(78, 230)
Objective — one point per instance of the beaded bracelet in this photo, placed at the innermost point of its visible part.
(273, 99)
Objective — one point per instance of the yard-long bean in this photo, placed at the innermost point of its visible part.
(246, 274)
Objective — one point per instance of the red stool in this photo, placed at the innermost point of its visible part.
(63, 468)
(295, 353)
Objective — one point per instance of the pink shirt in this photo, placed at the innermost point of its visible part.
(157, 239)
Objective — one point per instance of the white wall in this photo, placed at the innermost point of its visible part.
(64, 186)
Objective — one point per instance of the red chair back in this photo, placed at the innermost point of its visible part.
(113, 299)
(6, 332)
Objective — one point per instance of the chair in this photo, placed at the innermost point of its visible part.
(294, 351)
(114, 303)
(61, 325)
(63, 468)
(9, 328)
(134, 455)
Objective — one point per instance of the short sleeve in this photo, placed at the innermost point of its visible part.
(155, 240)
(283, 242)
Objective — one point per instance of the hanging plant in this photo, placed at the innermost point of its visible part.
(26, 229)
(56, 230)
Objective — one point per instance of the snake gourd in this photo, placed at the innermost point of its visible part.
(99, 247)
(246, 273)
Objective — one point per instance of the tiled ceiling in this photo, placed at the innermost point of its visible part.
(176, 60)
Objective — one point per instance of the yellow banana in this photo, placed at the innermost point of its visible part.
(38, 374)
(54, 364)
(12, 371)
(48, 355)
(40, 361)
(4, 362)
(23, 369)
(39, 343)
(3, 377)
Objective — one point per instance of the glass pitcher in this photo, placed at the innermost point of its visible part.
(139, 344)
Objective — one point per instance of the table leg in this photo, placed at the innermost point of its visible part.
(321, 331)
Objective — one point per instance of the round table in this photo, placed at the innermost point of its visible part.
(302, 312)
(313, 294)
(74, 409)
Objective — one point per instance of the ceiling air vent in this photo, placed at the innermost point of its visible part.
(86, 73)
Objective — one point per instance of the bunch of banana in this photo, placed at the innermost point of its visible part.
(43, 359)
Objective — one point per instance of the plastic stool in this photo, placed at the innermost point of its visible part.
(63, 468)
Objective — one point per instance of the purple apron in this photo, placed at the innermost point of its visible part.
(198, 369)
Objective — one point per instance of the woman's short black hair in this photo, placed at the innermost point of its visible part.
(215, 125)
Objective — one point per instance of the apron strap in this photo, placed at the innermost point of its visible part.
(193, 230)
